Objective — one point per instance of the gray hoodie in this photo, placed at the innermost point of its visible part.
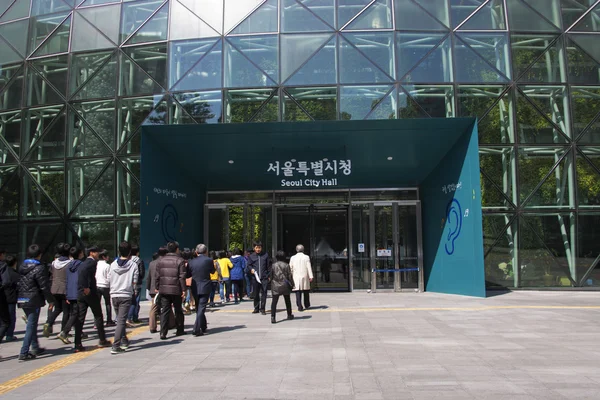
(122, 277)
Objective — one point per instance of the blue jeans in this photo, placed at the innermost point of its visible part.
(134, 309)
(31, 335)
(12, 309)
(248, 285)
(225, 289)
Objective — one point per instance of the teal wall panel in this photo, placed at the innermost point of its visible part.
(452, 222)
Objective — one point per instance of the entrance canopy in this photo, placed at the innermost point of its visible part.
(180, 164)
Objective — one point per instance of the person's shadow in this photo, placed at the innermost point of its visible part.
(220, 329)
(317, 308)
(135, 346)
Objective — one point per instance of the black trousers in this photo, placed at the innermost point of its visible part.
(72, 318)
(201, 302)
(260, 294)
(166, 302)
(105, 293)
(288, 304)
(60, 306)
(93, 302)
(299, 294)
(4, 316)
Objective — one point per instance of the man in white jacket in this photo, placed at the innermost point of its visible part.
(303, 276)
(122, 279)
(102, 285)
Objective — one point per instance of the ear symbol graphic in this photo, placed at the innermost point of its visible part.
(454, 219)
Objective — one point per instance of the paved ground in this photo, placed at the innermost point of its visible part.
(523, 345)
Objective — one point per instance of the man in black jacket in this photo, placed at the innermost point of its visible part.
(199, 269)
(154, 308)
(5, 281)
(33, 292)
(259, 264)
(87, 296)
(170, 284)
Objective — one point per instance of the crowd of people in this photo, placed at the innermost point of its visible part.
(178, 281)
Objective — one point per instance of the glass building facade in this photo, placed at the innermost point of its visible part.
(78, 79)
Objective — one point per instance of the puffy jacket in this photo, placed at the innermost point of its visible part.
(10, 278)
(170, 275)
(59, 275)
(239, 266)
(261, 263)
(73, 279)
(282, 280)
(33, 286)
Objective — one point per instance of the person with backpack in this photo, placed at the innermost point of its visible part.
(33, 292)
(59, 288)
(134, 310)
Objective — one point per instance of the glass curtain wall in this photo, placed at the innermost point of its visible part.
(78, 79)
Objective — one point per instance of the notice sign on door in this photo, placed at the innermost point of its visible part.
(361, 247)
(384, 253)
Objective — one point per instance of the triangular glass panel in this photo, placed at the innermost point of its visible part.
(185, 55)
(591, 134)
(51, 145)
(84, 66)
(496, 167)
(83, 141)
(43, 7)
(471, 67)
(492, 196)
(436, 67)
(571, 11)
(135, 14)
(54, 71)
(410, 16)
(19, 9)
(236, 11)
(37, 201)
(152, 58)
(5, 5)
(100, 117)
(489, 17)
(411, 48)
(15, 34)
(324, 9)
(521, 17)
(492, 47)
(589, 23)
(296, 18)
(88, 3)
(536, 166)
(154, 30)
(6, 156)
(210, 11)
(432, 100)
(87, 37)
(377, 16)
(39, 92)
(135, 80)
(136, 112)
(186, 25)
(205, 74)
(348, 9)
(204, 107)
(356, 102)
(581, 66)
(533, 126)
(408, 107)
(36, 122)
(589, 44)
(355, 67)
(386, 109)
(484, 102)
(537, 58)
(261, 50)
(263, 20)
(292, 112)
(104, 19)
(12, 94)
(297, 49)
(81, 175)
(128, 194)
(585, 108)
(243, 105)
(9, 55)
(10, 130)
(102, 84)
(269, 112)
(320, 68)
(10, 187)
(57, 42)
(320, 103)
(548, 9)
(460, 10)
(240, 72)
(179, 115)
(100, 199)
(587, 178)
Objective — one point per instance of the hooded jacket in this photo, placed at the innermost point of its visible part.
(141, 270)
(261, 263)
(239, 266)
(122, 277)
(73, 279)
(59, 275)
(33, 286)
(102, 274)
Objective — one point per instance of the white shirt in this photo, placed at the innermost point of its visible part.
(102, 274)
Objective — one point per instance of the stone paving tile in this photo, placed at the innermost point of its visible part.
(363, 346)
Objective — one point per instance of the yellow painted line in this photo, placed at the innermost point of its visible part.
(55, 366)
(380, 309)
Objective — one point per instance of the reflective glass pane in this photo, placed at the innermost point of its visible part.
(57, 42)
(348, 9)
(186, 25)
(204, 74)
(19, 9)
(51, 144)
(494, 114)
(588, 177)
(36, 122)
(105, 19)
(154, 29)
(10, 129)
(244, 105)
(590, 22)
(319, 103)
(356, 102)
(500, 250)
(423, 58)
(100, 117)
(87, 37)
(498, 170)
(43, 7)
(535, 165)
(588, 247)
(10, 184)
(292, 111)
(585, 111)
(210, 11)
(46, 235)
(264, 19)
(128, 187)
(11, 84)
(377, 16)
(387, 108)
(583, 59)
(538, 58)
(15, 34)
(297, 49)
(489, 17)
(54, 71)
(99, 200)
(247, 59)
(541, 114)
(412, 16)
(94, 75)
(135, 14)
(128, 230)
(319, 69)
(43, 185)
(436, 101)
(269, 112)
(41, 28)
(521, 17)
(184, 55)
(482, 57)
(82, 139)
(81, 175)
(98, 233)
(134, 113)
(236, 12)
(366, 57)
(408, 107)
(298, 18)
(202, 107)
(144, 70)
